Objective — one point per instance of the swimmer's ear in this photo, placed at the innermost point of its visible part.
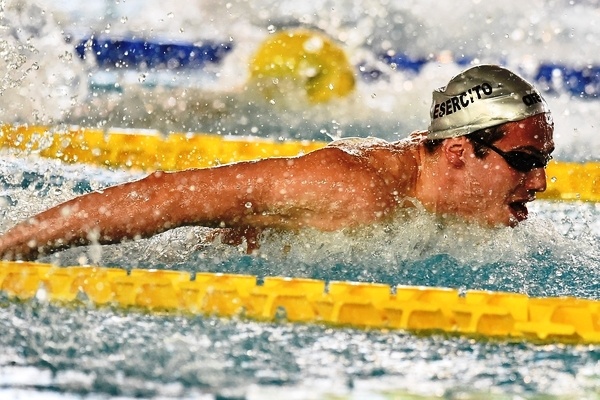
(454, 149)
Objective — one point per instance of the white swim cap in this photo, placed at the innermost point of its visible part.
(481, 97)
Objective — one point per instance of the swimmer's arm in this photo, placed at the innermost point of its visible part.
(127, 211)
(326, 189)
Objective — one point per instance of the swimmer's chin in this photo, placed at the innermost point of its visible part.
(518, 213)
(514, 213)
(509, 218)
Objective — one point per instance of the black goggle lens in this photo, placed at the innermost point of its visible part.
(524, 162)
(519, 160)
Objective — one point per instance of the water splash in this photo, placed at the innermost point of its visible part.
(107, 352)
(551, 254)
(41, 79)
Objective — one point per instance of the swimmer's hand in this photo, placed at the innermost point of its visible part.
(236, 236)
(15, 246)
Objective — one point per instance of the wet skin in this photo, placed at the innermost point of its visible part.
(500, 195)
(342, 186)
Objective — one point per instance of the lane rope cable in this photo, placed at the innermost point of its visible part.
(474, 313)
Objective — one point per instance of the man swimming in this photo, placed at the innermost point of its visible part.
(482, 159)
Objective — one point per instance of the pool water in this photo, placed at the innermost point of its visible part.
(77, 351)
(49, 351)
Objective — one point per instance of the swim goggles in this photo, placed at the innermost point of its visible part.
(520, 160)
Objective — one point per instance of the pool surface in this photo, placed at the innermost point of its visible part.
(49, 351)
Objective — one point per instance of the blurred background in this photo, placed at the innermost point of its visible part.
(186, 66)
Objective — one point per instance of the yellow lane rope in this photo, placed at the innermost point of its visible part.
(150, 150)
(361, 305)
(143, 149)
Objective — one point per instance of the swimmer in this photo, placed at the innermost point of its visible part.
(482, 159)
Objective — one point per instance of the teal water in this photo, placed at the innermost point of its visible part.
(83, 352)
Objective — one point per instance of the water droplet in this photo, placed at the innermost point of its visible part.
(170, 15)
(42, 293)
(123, 19)
(271, 29)
(248, 205)
(82, 296)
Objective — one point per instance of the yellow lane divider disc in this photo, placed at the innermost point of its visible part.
(304, 59)
(572, 181)
(360, 305)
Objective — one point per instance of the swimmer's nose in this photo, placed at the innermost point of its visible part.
(536, 179)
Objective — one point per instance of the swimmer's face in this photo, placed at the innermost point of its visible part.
(498, 192)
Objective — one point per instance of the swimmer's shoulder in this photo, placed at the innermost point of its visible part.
(398, 158)
(358, 145)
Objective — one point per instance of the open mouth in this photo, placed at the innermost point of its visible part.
(519, 210)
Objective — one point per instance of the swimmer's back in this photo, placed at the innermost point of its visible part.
(396, 162)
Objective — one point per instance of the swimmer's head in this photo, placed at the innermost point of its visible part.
(481, 97)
